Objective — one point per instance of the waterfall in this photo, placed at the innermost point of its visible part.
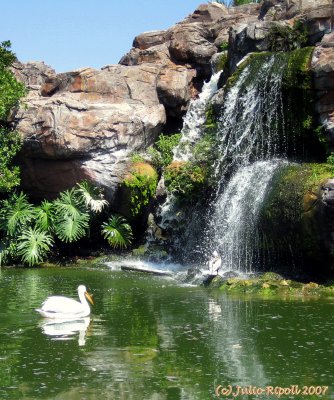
(251, 137)
(233, 227)
(195, 119)
(192, 130)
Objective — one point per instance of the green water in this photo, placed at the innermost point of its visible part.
(150, 339)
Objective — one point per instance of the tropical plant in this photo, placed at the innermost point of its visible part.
(15, 214)
(45, 216)
(33, 245)
(71, 216)
(117, 231)
(92, 196)
(69, 228)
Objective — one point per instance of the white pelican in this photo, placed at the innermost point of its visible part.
(61, 307)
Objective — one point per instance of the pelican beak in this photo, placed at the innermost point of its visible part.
(89, 298)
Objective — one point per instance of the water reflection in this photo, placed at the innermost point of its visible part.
(151, 339)
(62, 329)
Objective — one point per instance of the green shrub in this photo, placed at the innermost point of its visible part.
(165, 145)
(330, 159)
(223, 46)
(185, 180)
(222, 62)
(286, 38)
(136, 157)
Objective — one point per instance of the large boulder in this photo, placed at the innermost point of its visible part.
(87, 122)
(191, 43)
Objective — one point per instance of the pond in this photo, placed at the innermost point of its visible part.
(151, 338)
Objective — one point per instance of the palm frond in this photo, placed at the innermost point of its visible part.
(92, 196)
(45, 215)
(71, 228)
(16, 213)
(33, 245)
(117, 231)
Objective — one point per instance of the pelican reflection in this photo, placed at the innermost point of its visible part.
(64, 329)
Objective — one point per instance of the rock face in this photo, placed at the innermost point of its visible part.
(84, 124)
(323, 67)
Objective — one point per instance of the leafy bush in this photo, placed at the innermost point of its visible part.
(92, 196)
(10, 93)
(162, 154)
(223, 46)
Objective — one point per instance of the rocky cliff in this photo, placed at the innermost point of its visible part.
(86, 123)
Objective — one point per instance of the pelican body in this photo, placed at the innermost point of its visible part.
(61, 307)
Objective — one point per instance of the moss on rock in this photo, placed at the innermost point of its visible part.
(294, 222)
(138, 188)
(275, 287)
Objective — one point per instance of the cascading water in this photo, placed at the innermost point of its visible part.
(192, 130)
(194, 120)
(251, 135)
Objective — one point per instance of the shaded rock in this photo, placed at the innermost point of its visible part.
(175, 88)
(271, 276)
(192, 273)
(213, 281)
(287, 9)
(153, 231)
(247, 38)
(328, 40)
(323, 69)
